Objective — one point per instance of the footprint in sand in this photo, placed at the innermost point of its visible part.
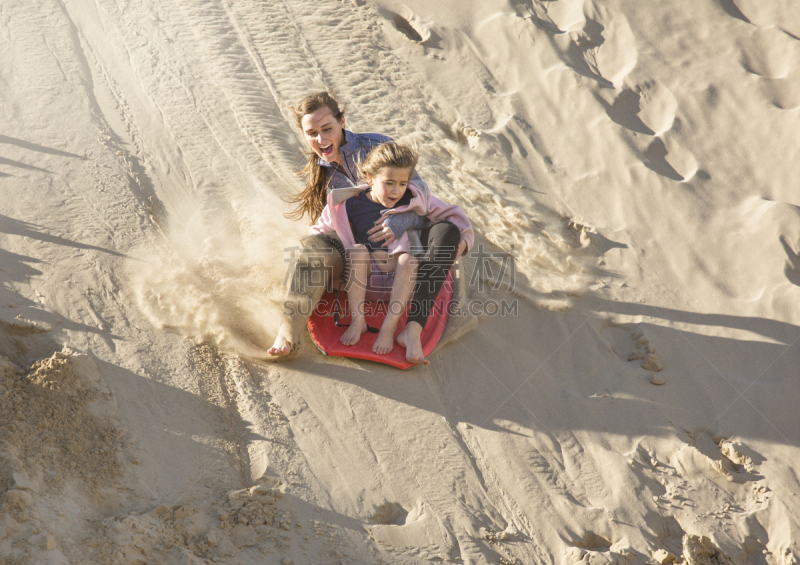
(657, 106)
(580, 231)
(607, 45)
(404, 26)
(670, 159)
(594, 548)
(647, 354)
(630, 344)
(726, 458)
(389, 513)
(413, 28)
(558, 17)
(782, 93)
(647, 108)
(680, 159)
(466, 134)
(734, 454)
(418, 531)
(774, 56)
(769, 53)
(784, 14)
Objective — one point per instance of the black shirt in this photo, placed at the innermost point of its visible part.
(363, 213)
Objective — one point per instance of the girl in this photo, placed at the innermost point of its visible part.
(378, 268)
(332, 157)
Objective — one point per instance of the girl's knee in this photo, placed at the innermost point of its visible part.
(358, 257)
(407, 259)
(408, 263)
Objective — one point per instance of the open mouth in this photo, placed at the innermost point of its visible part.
(327, 150)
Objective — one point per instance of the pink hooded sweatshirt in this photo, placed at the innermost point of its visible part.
(423, 203)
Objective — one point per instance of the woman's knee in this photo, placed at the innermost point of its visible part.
(443, 240)
(318, 263)
(319, 252)
(445, 232)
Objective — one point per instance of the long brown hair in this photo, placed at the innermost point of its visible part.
(312, 199)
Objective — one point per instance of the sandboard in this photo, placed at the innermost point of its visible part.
(326, 334)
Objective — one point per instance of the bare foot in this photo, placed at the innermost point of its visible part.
(284, 343)
(385, 342)
(410, 339)
(353, 334)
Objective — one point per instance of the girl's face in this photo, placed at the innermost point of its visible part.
(324, 134)
(389, 185)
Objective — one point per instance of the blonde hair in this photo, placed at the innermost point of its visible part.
(312, 199)
(388, 154)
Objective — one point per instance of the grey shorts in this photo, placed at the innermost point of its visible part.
(379, 285)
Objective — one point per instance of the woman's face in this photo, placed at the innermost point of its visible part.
(324, 134)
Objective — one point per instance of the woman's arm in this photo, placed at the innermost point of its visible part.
(324, 224)
(399, 223)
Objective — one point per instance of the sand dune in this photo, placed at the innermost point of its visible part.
(636, 403)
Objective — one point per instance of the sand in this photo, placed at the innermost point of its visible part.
(626, 394)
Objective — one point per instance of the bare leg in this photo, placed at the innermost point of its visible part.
(285, 342)
(410, 338)
(318, 264)
(405, 275)
(360, 267)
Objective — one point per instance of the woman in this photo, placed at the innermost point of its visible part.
(335, 153)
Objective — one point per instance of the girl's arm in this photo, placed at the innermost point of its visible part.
(399, 223)
(394, 226)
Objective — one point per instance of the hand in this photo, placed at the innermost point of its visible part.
(462, 249)
(381, 234)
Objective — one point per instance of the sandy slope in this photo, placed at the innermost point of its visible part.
(639, 160)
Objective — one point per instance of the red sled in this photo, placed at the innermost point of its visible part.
(324, 330)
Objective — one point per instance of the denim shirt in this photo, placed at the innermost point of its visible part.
(355, 149)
